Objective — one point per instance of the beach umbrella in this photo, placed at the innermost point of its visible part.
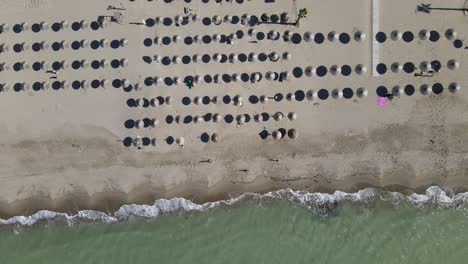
(63, 24)
(176, 60)
(334, 70)
(197, 79)
(245, 18)
(287, 35)
(216, 100)
(361, 92)
(43, 25)
(217, 57)
(64, 84)
(424, 34)
(292, 133)
(197, 119)
(125, 82)
(309, 71)
(263, 99)
(105, 83)
(453, 64)
(227, 19)
(425, 66)
(157, 40)
(454, 87)
(233, 57)
(397, 90)
(104, 43)
(271, 75)
(215, 138)
(137, 142)
(154, 142)
(4, 87)
(217, 118)
(292, 116)
(233, 36)
(178, 119)
(216, 78)
(308, 37)
(311, 95)
(238, 100)
(278, 116)
(140, 102)
(169, 100)
(240, 119)
(286, 56)
(253, 56)
(157, 80)
(332, 36)
(359, 36)
(451, 34)
(154, 102)
(123, 42)
(197, 58)
(195, 17)
(217, 20)
(123, 62)
(396, 67)
(425, 89)
(360, 69)
(84, 24)
(84, 84)
(285, 76)
(216, 37)
(177, 80)
(180, 141)
(104, 63)
(178, 20)
(251, 32)
(84, 43)
(258, 118)
(274, 56)
(290, 96)
(157, 58)
(277, 135)
(176, 38)
(139, 124)
(198, 39)
(273, 35)
(197, 100)
(4, 28)
(337, 93)
(4, 47)
(395, 35)
(255, 77)
(236, 77)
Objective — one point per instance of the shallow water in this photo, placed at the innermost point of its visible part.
(254, 231)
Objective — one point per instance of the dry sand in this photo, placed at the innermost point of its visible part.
(62, 150)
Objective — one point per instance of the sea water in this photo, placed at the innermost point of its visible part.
(285, 226)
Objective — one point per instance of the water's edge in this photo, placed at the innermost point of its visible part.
(434, 196)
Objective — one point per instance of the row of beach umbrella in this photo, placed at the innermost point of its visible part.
(423, 34)
(63, 44)
(63, 65)
(219, 57)
(410, 67)
(55, 26)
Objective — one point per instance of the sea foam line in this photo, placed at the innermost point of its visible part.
(433, 196)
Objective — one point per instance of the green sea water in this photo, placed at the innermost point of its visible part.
(277, 232)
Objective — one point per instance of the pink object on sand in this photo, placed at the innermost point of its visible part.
(382, 101)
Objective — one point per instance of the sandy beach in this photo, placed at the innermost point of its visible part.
(67, 149)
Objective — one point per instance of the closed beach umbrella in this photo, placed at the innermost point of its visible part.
(217, 117)
(337, 93)
(197, 119)
(125, 82)
(309, 71)
(215, 138)
(396, 67)
(154, 102)
(123, 62)
(255, 77)
(176, 60)
(84, 43)
(217, 20)
(154, 142)
(395, 35)
(276, 135)
(227, 19)
(217, 37)
(105, 83)
(453, 64)
(292, 133)
(425, 89)
(197, 100)
(216, 78)
(278, 116)
(263, 99)
(238, 100)
(359, 36)
(176, 38)
(271, 75)
(180, 141)
(251, 32)
(451, 34)
(361, 92)
(292, 116)
(308, 37)
(195, 17)
(332, 36)
(274, 56)
(157, 58)
(311, 95)
(285, 76)
(253, 56)
(236, 77)
(233, 36)
(177, 80)
(273, 35)
(104, 43)
(290, 96)
(258, 118)
(287, 35)
(84, 84)
(139, 124)
(286, 56)
(454, 87)
(197, 39)
(217, 57)
(240, 119)
(104, 63)
(334, 69)
(157, 80)
(360, 69)
(197, 79)
(140, 102)
(424, 34)
(233, 57)
(137, 142)
(169, 100)
(425, 66)
(397, 90)
(197, 58)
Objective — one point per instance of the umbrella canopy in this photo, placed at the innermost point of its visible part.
(240, 119)
(454, 87)
(253, 56)
(198, 39)
(137, 142)
(217, 117)
(251, 32)
(292, 133)
(425, 66)
(292, 116)
(334, 70)
(255, 77)
(176, 38)
(361, 92)
(180, 141)
(286, 56)
(215, 138)
(332, 36)
(337, 93)
(360, 69)
(139, 124)
(197, 79)
(238, 100)
(273, 35)
(274, 56)
(197, 119)
(308, 37)
(395, 35)
(216, 100)
(197, 100)
(290, 96)
(424, 34)
(311, 95)
(169, 100)
(258, 118)
(263, 99)
(233, 57)
(359, 36)
(396, 67)
(217, 57)
(216, 37)
(425, 89)
(453, 64)
(451, 34)
(236, 77)
(309, 71)
(278, 116)
(140, 102)
(397, 90)
(277, 135)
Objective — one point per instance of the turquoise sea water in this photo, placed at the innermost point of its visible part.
(255, 231)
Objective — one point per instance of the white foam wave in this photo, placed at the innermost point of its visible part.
(433, 196)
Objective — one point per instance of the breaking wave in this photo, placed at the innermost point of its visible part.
(319, 202)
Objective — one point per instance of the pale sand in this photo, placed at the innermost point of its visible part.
(62, 150)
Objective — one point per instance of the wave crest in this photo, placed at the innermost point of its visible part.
(434, 196)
